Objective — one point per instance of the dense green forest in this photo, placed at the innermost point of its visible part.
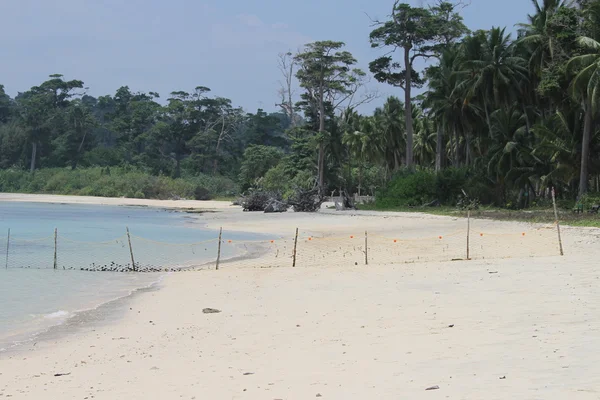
(503, 117)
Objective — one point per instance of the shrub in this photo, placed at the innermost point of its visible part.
(116, 182)
(408, 188)
(201, 193)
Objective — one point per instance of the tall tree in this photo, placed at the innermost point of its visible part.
(418, 33)
(326, 73)
(585, 86)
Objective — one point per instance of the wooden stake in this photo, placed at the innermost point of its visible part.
(55, 245)
(219, 248)
(7, 247)
(366, 250)
(295, 244)
(130, 250)
(557, 223)
(468, 231)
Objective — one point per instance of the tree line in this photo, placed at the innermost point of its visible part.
(516, 115)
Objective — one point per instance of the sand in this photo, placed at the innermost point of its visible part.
(520, 327)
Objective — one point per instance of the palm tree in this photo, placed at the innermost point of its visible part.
(535, 35)
(425, 138)
(510, 154)
(585, 86)
(558, 149)
(492, 73)
(443, 102)
(391, 127)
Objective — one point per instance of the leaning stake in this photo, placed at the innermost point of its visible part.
(366, 250)
(7, 247)
(55, 245)
(130, 250)
(557, 223)
(468, 231)
(219, 247)
(295, 244)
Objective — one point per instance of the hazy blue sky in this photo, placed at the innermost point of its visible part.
(230, 46)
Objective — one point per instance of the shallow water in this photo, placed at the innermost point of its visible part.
(34, 296)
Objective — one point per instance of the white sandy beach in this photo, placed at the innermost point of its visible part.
(511, 328)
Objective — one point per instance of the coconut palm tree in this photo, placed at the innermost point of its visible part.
(585, 86)
(491, 71)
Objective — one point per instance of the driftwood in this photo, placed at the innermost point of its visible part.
(258, 200)
(276, 206)
(306, 200)
(347, 201)
(434, 203)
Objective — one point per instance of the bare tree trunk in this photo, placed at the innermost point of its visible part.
(439, 149)
(585, 148)
(456, 149)
(286, 66)
(321, 161)
(467, 150)
(33, 155)
(216, 160)
(78, 154)
(408, 108)
(359, 178)
(487, 116)
(527, 123)
(177, 165)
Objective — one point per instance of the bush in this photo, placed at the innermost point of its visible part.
(201, 193)
(117, 182)
(408, 189)
(423, 186)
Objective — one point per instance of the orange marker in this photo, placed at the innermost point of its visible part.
(523, 234)
(440, 237)
(481, 234)
(272, 241)
(229, 241)
(309, 238)
(351, 237)
(395, 240)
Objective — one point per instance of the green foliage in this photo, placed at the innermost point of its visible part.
(408, 188)
(275, 180)
(416, 188)
(114, 182)
(256, 162)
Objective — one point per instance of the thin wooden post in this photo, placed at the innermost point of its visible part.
(130, 250)
(468, 231)
(219, 247)
(366, 250)
(557, 223)
(7, 247)
(295, 244)
(55, 245)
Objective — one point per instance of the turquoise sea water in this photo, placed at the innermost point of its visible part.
(34, 296)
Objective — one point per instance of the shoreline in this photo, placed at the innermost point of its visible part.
(88, 317)
(52, 331)
(114, 201)
(341, 330)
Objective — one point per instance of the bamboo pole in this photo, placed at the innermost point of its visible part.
(7, 247)
(295, 244)
(130, 250)
(55, 246)
(557, 223)
(366, 250)
(468, 231)
(219, 248)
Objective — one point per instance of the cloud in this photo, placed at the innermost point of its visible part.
(250, 20)
(248, 31)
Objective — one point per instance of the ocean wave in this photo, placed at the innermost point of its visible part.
(57, 314)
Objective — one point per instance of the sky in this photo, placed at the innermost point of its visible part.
(230, 46)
